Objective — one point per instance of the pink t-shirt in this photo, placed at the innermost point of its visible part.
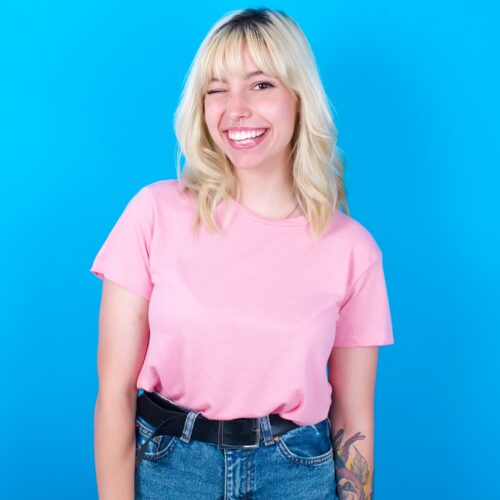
(242, 323)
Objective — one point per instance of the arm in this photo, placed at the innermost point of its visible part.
(123, 338)
(351, 372)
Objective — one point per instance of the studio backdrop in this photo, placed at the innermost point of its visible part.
(88, 92)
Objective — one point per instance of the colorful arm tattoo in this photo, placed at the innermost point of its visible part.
(354, 481)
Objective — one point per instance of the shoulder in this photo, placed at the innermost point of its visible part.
(166, 191)
(159, 189)
(167, 201)
(355, 238)
(150, 198)
(158, 195)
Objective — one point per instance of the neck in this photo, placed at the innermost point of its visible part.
(269, 200)
(268, 188)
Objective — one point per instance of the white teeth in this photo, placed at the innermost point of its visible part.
(243, 136)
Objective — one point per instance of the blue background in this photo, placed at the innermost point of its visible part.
(88, 92)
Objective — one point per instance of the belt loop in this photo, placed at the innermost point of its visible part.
(267, 434)
(188, 426)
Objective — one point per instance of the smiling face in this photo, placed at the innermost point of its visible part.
(251, 117)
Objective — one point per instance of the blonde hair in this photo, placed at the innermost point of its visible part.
(279, 48)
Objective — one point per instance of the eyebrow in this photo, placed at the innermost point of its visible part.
(246, 77)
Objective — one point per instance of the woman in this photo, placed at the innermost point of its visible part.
(229, 292)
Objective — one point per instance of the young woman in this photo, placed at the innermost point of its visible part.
(238, 298)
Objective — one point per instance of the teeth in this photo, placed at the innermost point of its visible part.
(243, 136)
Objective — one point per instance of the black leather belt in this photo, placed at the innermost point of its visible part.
(169, 419)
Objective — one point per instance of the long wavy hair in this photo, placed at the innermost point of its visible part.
(280, 49)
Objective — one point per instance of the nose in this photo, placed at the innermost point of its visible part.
(237, 107)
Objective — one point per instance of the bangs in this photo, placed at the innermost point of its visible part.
(224, 53)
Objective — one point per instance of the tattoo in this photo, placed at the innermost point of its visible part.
(351, 469)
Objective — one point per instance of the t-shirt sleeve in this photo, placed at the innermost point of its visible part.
(124, 255)
(364, 316)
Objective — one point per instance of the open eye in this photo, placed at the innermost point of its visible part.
(265, 83)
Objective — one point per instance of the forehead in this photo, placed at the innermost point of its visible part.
(237, 57)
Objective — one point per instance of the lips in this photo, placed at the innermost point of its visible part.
(242, 129)
(248, 143)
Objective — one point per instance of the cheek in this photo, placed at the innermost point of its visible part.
(210, 123)
(212, 118)
(283, 115)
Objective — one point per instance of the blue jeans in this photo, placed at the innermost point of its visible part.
(296, 465)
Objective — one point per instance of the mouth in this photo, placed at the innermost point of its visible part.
(244, 141)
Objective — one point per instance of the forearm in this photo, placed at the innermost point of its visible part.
(353, 447)
(114, 446)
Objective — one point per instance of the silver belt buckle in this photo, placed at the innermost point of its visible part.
(237, 446)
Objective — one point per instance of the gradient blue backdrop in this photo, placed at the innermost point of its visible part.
(88, 92)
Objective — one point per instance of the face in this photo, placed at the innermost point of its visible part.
(251, 119)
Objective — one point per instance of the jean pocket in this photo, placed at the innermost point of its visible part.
(307, 444)
(157, 447)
